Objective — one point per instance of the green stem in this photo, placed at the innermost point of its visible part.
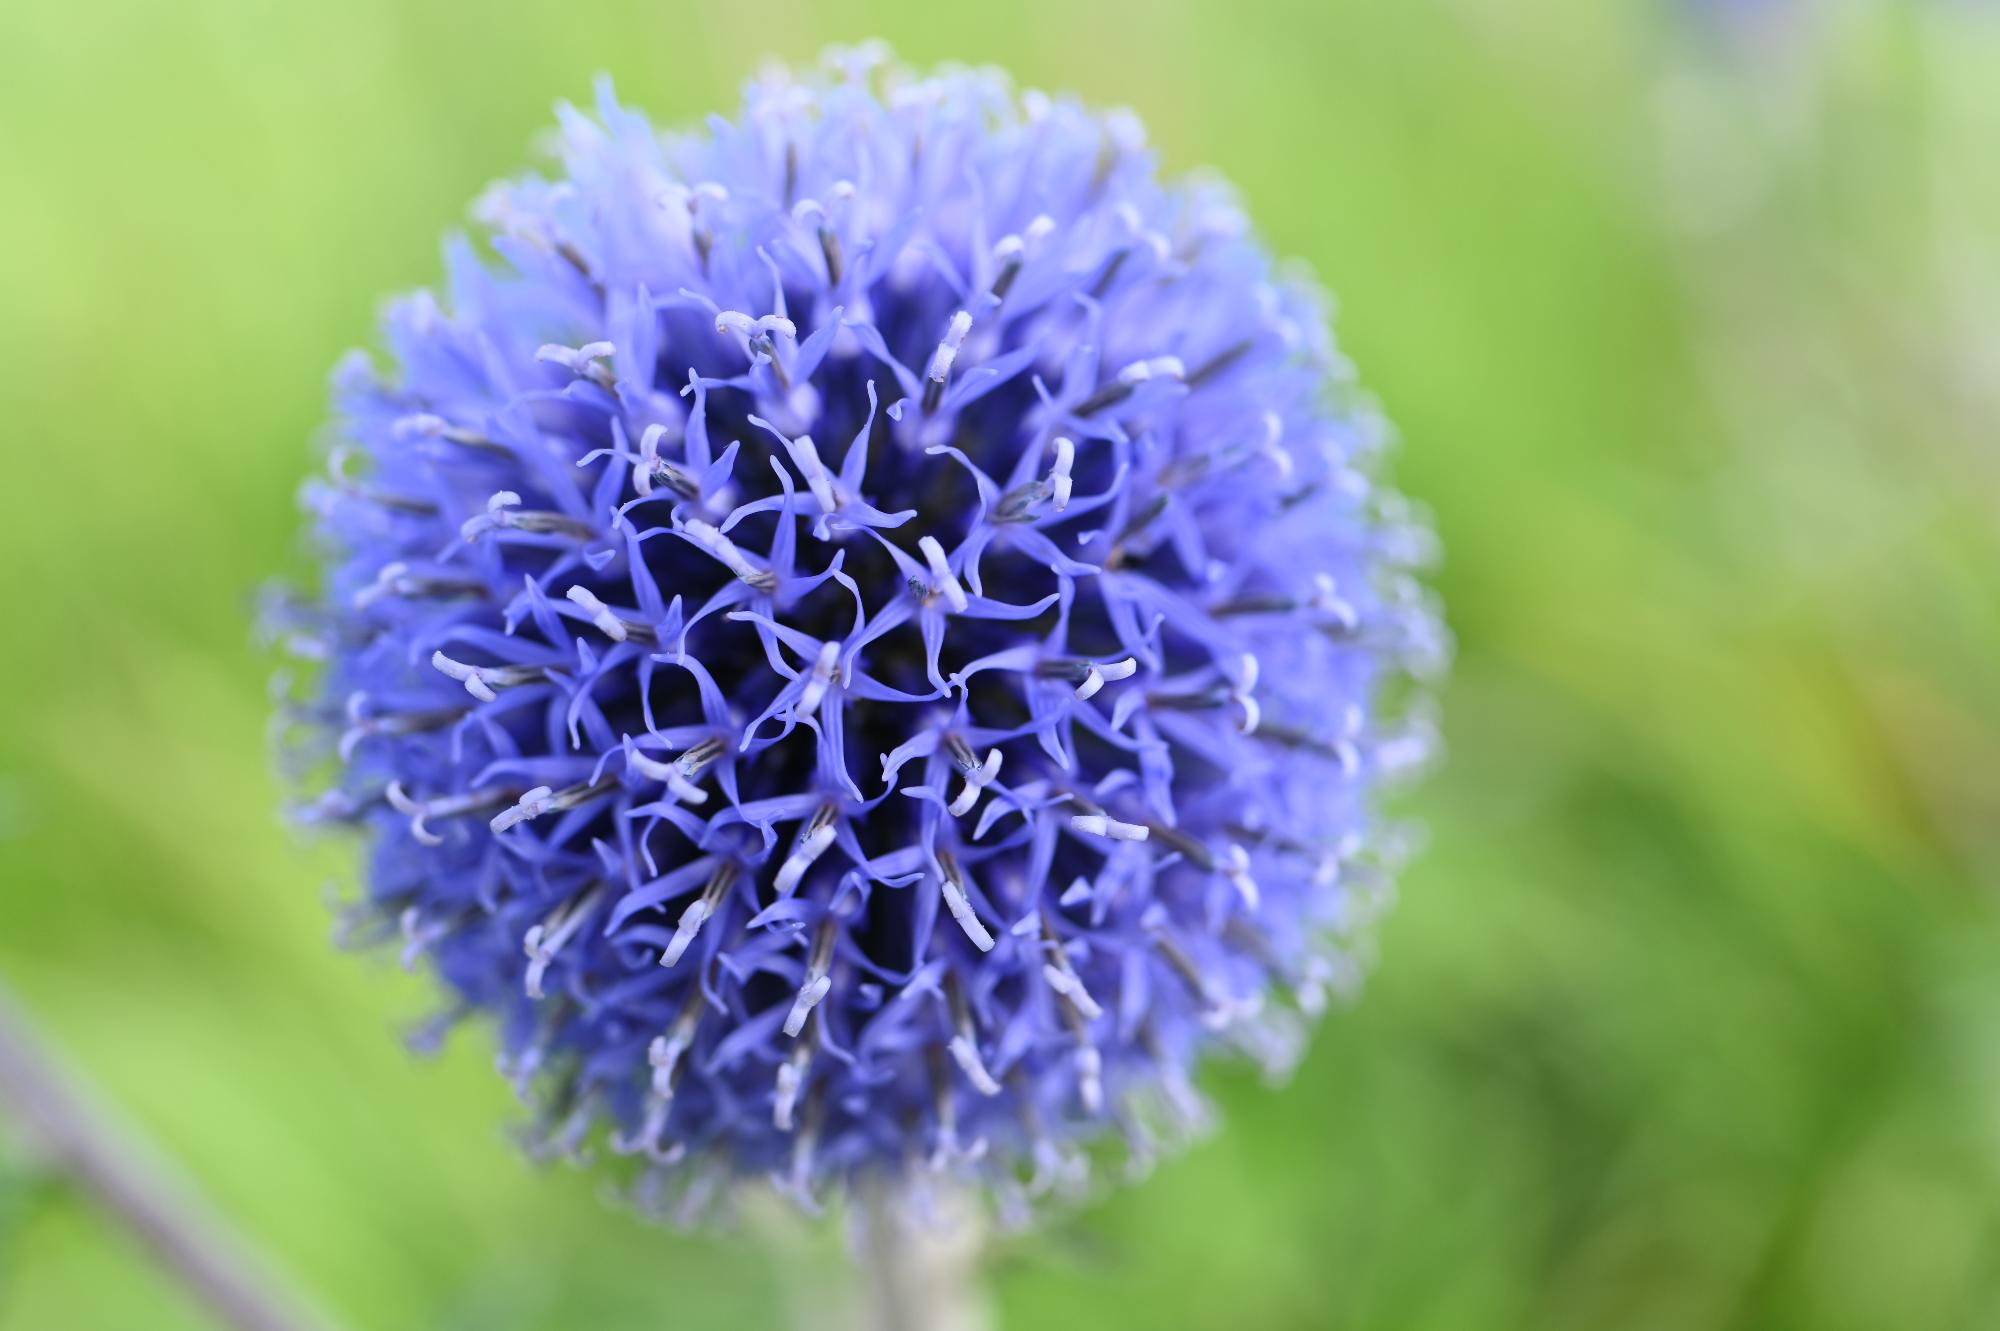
(80, 1139)
(922, 1274)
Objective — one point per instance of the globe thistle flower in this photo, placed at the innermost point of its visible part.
(859, 639)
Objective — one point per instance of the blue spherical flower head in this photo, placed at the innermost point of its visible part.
(859, 641)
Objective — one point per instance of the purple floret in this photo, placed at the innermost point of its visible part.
(867, 641)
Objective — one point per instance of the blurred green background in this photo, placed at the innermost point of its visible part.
(1690, 317)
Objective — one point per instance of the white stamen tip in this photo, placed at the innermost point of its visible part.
(1069, 986)
(600, 614)
(1326, 597)
(1159, 367)
(806, 455)
(646, 765)
(387, 579)
(1253, 714)
(976, 780)
(817, 682)
(1090, 1079)
(947, 582)
(644, 470)
(1236, 867)
(1281, 457)
(684, 933)
(763, 326)
(1311, 990)
(399, 800)
(577, 360)
(1060, 482)
(674, 774)
(649, 442)
(956, 901)
(810, 848)
(495, 515)
(420, 425)
(1240, 693)
(532, 805)
(786, 1097)
(1349, 756)
(470, 676)
(947, 348)
(808, 998)
(1097, 824)
(543, 941)
(711, 539)
(664, 1054)
(539, 958)
(966, 1055)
